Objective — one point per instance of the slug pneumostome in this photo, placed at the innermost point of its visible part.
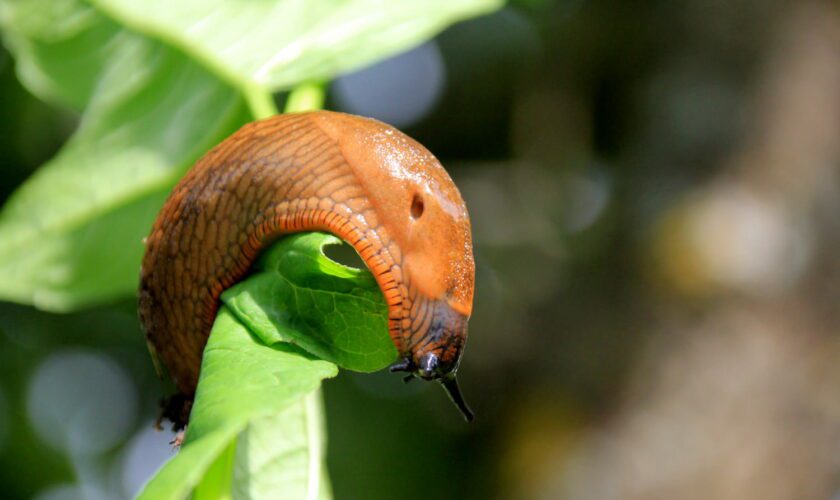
(360, 179)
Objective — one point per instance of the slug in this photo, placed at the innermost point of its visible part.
(360, 179)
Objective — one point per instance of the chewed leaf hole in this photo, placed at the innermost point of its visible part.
(344, 254)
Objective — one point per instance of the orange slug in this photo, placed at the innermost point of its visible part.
(360, 179)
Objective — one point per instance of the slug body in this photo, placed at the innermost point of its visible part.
(357, 178)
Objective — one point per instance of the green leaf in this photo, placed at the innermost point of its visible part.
(62, 47)
(283, 452)
(242, 382)
(257, 421)
(218, 480)
(71, 235)
(299, 296)
(276, 45)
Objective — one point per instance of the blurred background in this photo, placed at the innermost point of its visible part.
(655, 197)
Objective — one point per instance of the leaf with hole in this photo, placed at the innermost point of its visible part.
(257, 424)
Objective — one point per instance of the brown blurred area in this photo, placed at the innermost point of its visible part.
(729, 383)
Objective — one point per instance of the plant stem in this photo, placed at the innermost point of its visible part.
(260, 102)
(306, 97)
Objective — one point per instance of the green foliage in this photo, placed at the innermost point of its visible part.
(302, 298)
(62, 47)
(159, 83)
(277, 45)
(71, 235)
(257, 426)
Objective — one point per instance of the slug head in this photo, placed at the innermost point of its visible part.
(438, 355)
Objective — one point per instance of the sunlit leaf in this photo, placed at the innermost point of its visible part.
(278, 44)
(257, 420)
(71, 235)
(301, 297)
(62, 47)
